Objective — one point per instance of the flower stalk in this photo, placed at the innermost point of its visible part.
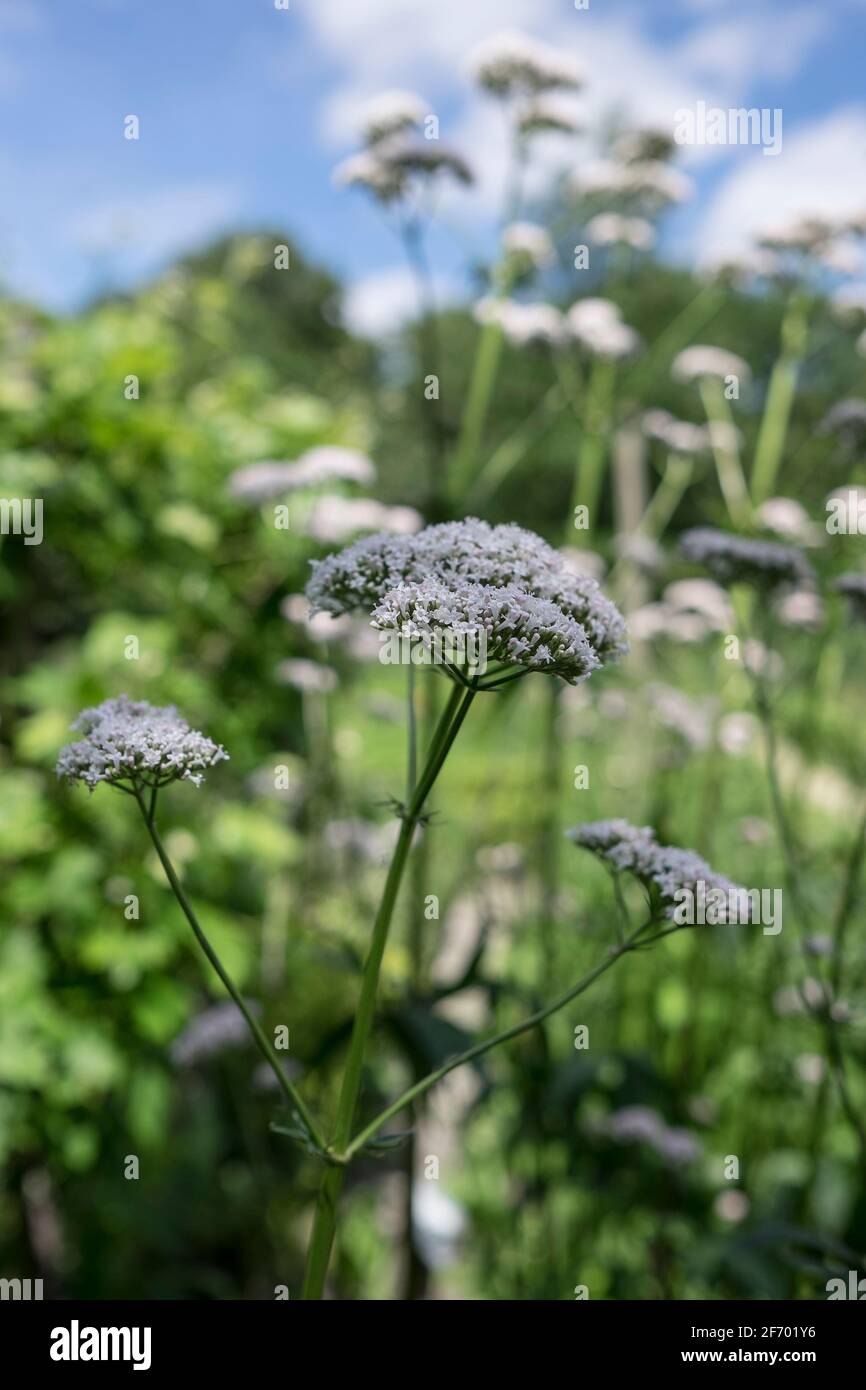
(148, 810)
(780, 399)
(325, 1221)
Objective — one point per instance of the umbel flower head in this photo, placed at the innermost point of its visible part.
(733, 559)
(132, 741)
(612, 229)
(512, 64)
(523, 324)
(391, 113)
(653, 143)
(549, 113)
(596, 324)
(467, 552)
(679, 436)
(695, 363)
(390, 169)
(664, 869)
(847, 420)
(519, 628)
(528, 247)
(257, 482)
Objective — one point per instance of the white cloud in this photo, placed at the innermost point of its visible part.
(822, 167)
(382, 301)
(741, 52)
(387, 43)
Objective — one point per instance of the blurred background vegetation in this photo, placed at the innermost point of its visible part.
(104, 1048)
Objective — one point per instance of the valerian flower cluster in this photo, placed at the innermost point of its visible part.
(731, 559)
(466, 576)
(133, 741)
(519, 628)
(666, 869)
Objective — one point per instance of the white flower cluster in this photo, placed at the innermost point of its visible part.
(633, 849)
(788, 518)
(519, 628)
(639, 1124)
(828, 243)
(734, 559)
(688, 611)
(258, 482)
(369, 171)
(523, 324)
(334, 519)
(647, 144)
(512, 64)
(847, 420)
(597, 325)
(528, 246)
(613, 229)
(548, 114)
(389, 114)
(649, 181)
(390, 167)
(693, 363)
(309, 677)
(679, 436)
(738, 269)
(131, 740)
(465, 557)
(215, 1030)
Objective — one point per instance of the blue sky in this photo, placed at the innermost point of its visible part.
(245, 108)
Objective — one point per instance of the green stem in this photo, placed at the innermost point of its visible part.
(692, 319)
(678, 473)
(514, 449)
(473, 1053)
(325, 1221)
(847, 899)
(725, 452)
(592, 458)
(477, 405)
(780, 399)
(791, 859)
(259, 1037)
